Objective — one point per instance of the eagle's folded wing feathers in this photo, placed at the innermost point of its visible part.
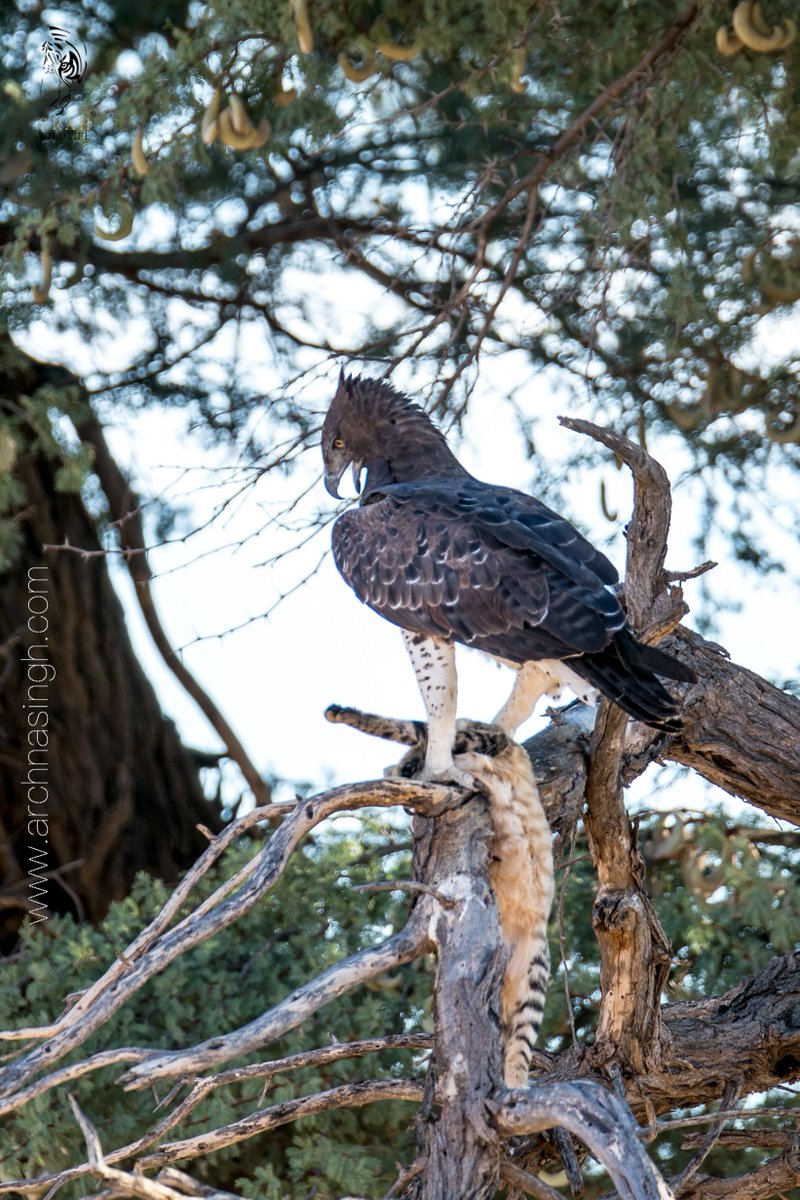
(451, 561)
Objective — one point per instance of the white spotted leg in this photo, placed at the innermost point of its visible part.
(434, 663)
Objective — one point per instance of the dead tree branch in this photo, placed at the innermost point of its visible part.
(779, 1176)
(149, 955)
(740, 732)
(122, 1182)
(634, 951)
(460, 1148)
(347, 1095)
(342, 977)
(599, 1119)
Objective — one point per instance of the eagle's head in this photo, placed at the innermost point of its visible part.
(347, 432)
(371, 425)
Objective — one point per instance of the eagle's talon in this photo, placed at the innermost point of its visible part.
(450, 774)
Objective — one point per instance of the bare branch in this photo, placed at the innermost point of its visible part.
(523, 1181)
(342, 977)
(598, 1118)
(347, 1095)
(680, 1184)
(128, 1185)
(406, 885)
(125, 511)
(739, 731)
(634, 951)
(781, 1174)
(192, 1187)
(645, 580)
(124, 978)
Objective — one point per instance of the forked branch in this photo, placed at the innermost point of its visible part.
(598, 1118)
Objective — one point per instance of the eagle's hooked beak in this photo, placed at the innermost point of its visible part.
(334, 472)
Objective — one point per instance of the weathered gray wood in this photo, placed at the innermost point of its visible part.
(599, 1119)
(461, 1150)
(740, 732)
(124, 978)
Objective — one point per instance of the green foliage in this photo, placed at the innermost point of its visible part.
(727, 898)
(663, 253)
(728, 901)
(311, 920)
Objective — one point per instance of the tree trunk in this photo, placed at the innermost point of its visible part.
(461, 1150)
(95, 783)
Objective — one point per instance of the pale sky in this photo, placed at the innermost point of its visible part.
(274, 678)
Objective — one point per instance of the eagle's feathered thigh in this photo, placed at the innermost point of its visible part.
(450, 559)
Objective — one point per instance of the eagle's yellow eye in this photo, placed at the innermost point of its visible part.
(338, 444)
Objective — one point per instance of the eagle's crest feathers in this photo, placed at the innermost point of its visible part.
(370, 424)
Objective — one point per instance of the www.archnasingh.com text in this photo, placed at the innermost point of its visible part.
(39, 675)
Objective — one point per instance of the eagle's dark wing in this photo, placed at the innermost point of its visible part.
(486, 566)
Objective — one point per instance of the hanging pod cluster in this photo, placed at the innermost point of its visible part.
(379, 40)
(232, 125)
(750, 30)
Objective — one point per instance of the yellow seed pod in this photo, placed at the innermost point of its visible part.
(745, 29)
(761, 26)
(123, 229)
(727, 41)
(140, 164)
(779, 293)
(607, 513)
(389, 48)
(398, 53)
(41, 292)
(518, 84)
(242, 141)
(13, 90)
(748, 266)
(284, 96)
(263, 133)
(239, 117)
(357, 74)
(790, 33)
(701, 873)
(784, 435)
(228, 135)
(302, 24)
(8, 451)
(209, 128)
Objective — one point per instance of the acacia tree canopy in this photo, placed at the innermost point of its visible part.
(598, 192)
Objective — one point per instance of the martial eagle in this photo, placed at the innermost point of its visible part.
(451, 559)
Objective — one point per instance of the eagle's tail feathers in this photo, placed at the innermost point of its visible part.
(625, 672)
(640, 655)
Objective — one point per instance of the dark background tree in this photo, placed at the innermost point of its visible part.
(86, 804)
(597, 194)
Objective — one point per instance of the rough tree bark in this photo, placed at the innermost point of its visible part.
(460, 1149)
(101, 786)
